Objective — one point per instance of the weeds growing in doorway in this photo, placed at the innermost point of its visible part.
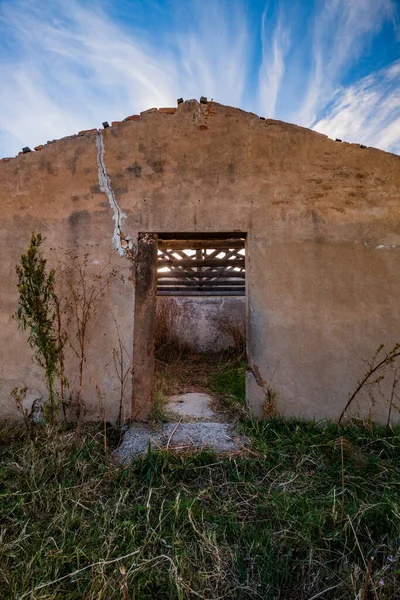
(180, 369)
(168, 344)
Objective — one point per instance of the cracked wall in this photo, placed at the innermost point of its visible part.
(323, 241)
(122, 242)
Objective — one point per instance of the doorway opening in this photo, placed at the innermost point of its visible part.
(197, 303)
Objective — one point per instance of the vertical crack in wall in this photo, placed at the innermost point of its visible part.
(122, 243)
(269, 405)
(255, 371)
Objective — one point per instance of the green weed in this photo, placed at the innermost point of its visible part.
(229, 383)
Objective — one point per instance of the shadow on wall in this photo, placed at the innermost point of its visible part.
(199, 324)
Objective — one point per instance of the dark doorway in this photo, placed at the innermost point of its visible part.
(189, 312)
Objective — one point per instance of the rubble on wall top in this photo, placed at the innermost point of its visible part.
(163, 110)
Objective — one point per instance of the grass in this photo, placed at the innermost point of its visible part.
(221, 374)
(227, 381)
(298, 517)
(179, 369)
(187, 373)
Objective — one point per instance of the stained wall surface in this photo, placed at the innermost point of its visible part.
(322, 220)
(206, 323)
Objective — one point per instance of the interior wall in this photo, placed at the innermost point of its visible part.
(203, 322)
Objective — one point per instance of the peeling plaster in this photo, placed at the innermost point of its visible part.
(122, 243)
(381, 246)
(255, 371)
(259, 393)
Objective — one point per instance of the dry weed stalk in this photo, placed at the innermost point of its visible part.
(235, 332)
(368, 580)
(104, 418)
(62, 322)
(123, 364)
(124, 583)
(342, 465)
(392, 396)
(86, 293)
(374, 375)
(19, 395)
(167, 343)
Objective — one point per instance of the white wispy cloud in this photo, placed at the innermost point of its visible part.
(69, 65)
(213, 53)
(342, 30)
(274, 49)
(367, 111)
(75, 67)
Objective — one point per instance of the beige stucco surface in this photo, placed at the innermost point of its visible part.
(323, 243)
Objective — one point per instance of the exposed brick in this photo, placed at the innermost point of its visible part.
(149, 110)
(132, 118)
(167, 111)
(37, 148)
(6, 159)
(115, 122)
(85, 131)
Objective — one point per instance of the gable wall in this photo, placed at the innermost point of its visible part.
(323, 242)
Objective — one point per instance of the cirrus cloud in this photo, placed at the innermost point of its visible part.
(67, 65)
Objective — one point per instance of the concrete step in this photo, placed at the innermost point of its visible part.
(219, 437)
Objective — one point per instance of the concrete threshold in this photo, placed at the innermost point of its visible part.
(220, 438)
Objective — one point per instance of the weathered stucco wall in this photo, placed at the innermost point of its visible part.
(323, 242)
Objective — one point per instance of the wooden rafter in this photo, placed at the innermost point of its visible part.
(215, 267)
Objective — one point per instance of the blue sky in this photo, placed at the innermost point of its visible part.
(330, 65)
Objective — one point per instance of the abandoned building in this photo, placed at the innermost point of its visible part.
(225, 213)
